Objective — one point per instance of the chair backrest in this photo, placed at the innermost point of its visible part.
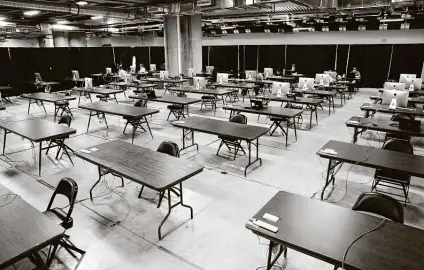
(399, 146)
(141, 102)
(68, 188)
(380, 204)
(399, 116)
(170, 148)
(239, 118)
(66, 119)
(181, 94)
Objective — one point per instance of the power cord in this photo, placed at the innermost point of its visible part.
(9, 202)
(379, 226)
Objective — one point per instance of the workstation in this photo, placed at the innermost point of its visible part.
(217, 134)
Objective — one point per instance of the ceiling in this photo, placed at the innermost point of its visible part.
(136, 16)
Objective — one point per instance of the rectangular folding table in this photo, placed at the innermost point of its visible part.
(104, 94)
(136, 116)
(221, 128)
(371, 109)
(60, 101)
(325, 231)
(37, 131)
(158, 171)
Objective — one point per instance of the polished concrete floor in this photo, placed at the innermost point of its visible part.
(119, 231)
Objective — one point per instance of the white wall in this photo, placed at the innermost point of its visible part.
(314, 38)
(20, 43)
(126, 41)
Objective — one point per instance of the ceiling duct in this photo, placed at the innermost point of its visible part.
(69, 8)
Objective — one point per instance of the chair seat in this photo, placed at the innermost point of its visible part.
(228, 138)
(208, 97)
(62, 102)
(58, 216)
(102, 96)
(277, 118)
(393, 176)
(175, 107)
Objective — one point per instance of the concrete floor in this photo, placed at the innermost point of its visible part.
(119, 230)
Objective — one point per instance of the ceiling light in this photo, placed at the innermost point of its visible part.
(97, 17)
(236, 31)
(404, 26)
(224, 32)
(248, 30)
(63, 27)
(31, 12)
(82, 3)
(113, 30)
(382, 26)
(63, 22)
(391, 20)
(2, 18)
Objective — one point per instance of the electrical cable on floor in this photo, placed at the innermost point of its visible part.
(129, 206)
(378, 227)
(9, 202)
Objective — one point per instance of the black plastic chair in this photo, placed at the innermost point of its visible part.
(138, 124)
(178, 110)
(233, 143)
(390, 177)
(396, 118)
(68, 188)
(380, 204)
(172, 149)
(64, 120)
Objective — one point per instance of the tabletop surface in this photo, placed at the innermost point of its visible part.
(100, 90)
(22, 228)
(385, 108)
(236, 85)
(142, 85)
(207, 91)
(48, 97)
(384, 125)
(222, 128)
(169, 80)
(38, 129)
(324, 231)
(374, 157)
(168, 99)
(411, 99)
(300, 100)
(316, 92)
(268, 110)
(118, 109)
(156, 170)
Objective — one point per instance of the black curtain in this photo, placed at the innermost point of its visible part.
(123, 55)
(92, 60)
(310, 59)
(205, 57)
(224, 58)
(342, 52)
(372, 61)
(271, 56)
(157, 56)
(407, 58)
(250, 57)
(5, 67)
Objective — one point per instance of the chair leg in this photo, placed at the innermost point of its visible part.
(125, 126)
(167, 119)
(219, 148)
(141, 191)
(161, 195)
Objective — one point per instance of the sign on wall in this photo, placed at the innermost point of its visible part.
(205, 3)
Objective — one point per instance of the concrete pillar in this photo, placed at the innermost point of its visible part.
(183, 43)
(77, 39)
(172, 37)
(46, 41)
(191, 43)
(60, 39)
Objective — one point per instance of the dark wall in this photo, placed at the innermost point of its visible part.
(373, 61)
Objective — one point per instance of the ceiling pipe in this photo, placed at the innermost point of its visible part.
(66, 8)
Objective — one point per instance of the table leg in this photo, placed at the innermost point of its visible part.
(39, 159)
(330, 178)
(148, 126)
(185, 134)
(332, 101)
(355, 135)
(329, 106)
(295, 128)
(104, 117)
(287, 132)
(310, 117)
(29, 104)
(56, 111)
(95, 184)
(52, 255)
(89, 120)
(42, 104)
(4, 141)
(271, 261)
(316, 113)
(249, 146)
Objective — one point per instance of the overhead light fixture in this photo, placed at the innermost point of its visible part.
(82, 3)
(236, 31)
(382, 26)
(2, 18)
(248, 30)
(31, 12)
(63, 27)
(325, 29)
(224, 32)
(362, 27)
(99, 17)
(113, 29)
(63, 22)
(267, 30)
(391, 20)
(342, 28)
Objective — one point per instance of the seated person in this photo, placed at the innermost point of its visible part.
(356, 74)
(142, 69)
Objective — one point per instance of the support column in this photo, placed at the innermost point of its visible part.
(60, 39)
(172, 37)
(77, 39)
(183, 43)
(47, 40)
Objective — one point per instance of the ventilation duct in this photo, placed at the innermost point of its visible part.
(65, 8)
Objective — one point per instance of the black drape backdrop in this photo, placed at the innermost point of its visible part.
(19, 64)
(224, 58)
(372, 61)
